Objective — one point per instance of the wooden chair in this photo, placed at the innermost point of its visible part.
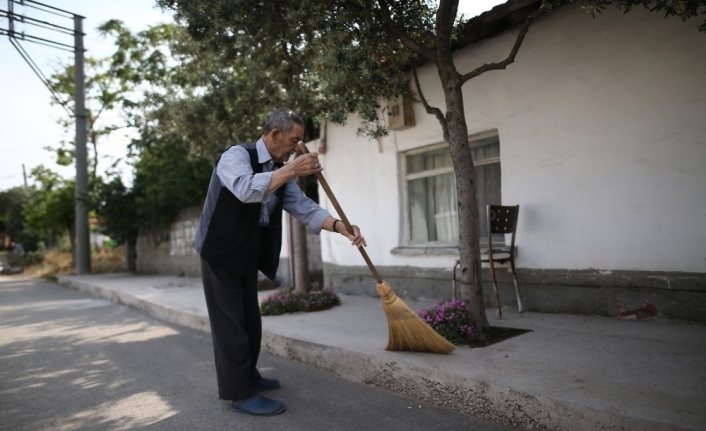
(502, 220)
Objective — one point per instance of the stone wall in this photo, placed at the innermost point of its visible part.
(676, 295)
(170, 251)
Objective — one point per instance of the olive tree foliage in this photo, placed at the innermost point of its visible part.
(351, 54)
(683, 9)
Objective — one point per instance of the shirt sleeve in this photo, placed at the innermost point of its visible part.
(236, 174)
(303, 208)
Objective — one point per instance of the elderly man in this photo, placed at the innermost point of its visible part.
(239, 233)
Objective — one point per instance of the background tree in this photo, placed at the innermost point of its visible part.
(116, 209)
(215, 98)
(107, 96)
(50, 211)
(356, 51)
(12, 220)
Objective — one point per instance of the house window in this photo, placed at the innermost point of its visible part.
(431, 189)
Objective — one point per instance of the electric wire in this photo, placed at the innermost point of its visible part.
(41, 6)
(37, 22)
(37, 40)
(41, 76)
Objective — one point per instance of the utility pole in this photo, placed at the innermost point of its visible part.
(83, 252)
(24, 174)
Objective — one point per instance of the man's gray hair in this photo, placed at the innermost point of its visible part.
(282, 119)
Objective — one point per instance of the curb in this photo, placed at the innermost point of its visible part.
(155, 310)
(494, 403)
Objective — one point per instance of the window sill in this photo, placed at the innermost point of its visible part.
(426, 251)
(436, 250)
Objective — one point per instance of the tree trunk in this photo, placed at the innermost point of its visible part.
(131, 254)
(301, 252)
(471, 280)
(72, 241)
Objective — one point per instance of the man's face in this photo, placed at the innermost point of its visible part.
(282, 145)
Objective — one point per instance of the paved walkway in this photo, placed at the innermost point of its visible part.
(569, 373)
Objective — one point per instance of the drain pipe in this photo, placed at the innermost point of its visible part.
(453, 279)
(290, 226)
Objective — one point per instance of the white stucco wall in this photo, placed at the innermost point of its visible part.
(602, 126)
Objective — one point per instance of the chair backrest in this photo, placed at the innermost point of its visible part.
(502, 219)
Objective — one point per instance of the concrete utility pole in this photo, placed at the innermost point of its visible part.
(83, 250)
(24, 174)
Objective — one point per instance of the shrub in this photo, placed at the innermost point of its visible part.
(34, 257)
(286, 300)
(448, 318)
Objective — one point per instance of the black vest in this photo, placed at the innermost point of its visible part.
(235, 241)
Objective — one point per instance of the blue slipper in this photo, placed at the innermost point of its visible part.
(258, 406)
(265, 384)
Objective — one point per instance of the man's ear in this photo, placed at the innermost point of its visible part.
(275, 134)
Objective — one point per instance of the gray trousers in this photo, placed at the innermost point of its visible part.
(236, 328)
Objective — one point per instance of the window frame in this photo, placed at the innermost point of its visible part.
(436, 247)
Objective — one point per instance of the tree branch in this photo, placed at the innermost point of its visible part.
(509, 60)
(430, 109)
(445, 17)
(410, 43)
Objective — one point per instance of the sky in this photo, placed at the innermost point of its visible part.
(28, 122)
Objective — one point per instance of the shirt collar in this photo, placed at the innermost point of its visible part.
(263, 155)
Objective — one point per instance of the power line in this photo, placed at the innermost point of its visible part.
(34, 21)
(38, 72)
(39, 40)
(41, 6)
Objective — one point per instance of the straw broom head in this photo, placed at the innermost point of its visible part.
(407, 331)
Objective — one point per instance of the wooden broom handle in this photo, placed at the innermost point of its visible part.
(339, 210)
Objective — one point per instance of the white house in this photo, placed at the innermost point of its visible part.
(597, 131)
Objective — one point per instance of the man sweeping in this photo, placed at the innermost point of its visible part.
(239, 233)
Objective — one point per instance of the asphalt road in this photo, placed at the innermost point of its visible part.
(69, 361)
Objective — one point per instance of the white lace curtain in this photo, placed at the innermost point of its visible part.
(432, 199)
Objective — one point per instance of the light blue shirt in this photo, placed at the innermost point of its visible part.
(235, 173)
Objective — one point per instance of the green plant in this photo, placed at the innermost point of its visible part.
(286, 300)
(34, 257)
(448, 318)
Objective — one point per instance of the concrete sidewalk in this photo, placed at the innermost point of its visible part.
(569, 373)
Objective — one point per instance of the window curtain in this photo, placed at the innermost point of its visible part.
(432, 200)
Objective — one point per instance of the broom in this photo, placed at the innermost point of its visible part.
(406, 330)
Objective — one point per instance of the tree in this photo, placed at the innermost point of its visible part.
(50, 211)
(168, 179)
(12, 221)
(356, 51)
(106, 93)
(214, 98)
(116, 209)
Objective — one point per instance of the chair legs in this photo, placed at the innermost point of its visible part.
(499, 312)
(517, 289)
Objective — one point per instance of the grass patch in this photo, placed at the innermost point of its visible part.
(57, 262)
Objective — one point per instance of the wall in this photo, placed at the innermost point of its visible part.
(602, 138)
(170, 252)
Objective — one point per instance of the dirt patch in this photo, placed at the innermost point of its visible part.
(496, 334)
